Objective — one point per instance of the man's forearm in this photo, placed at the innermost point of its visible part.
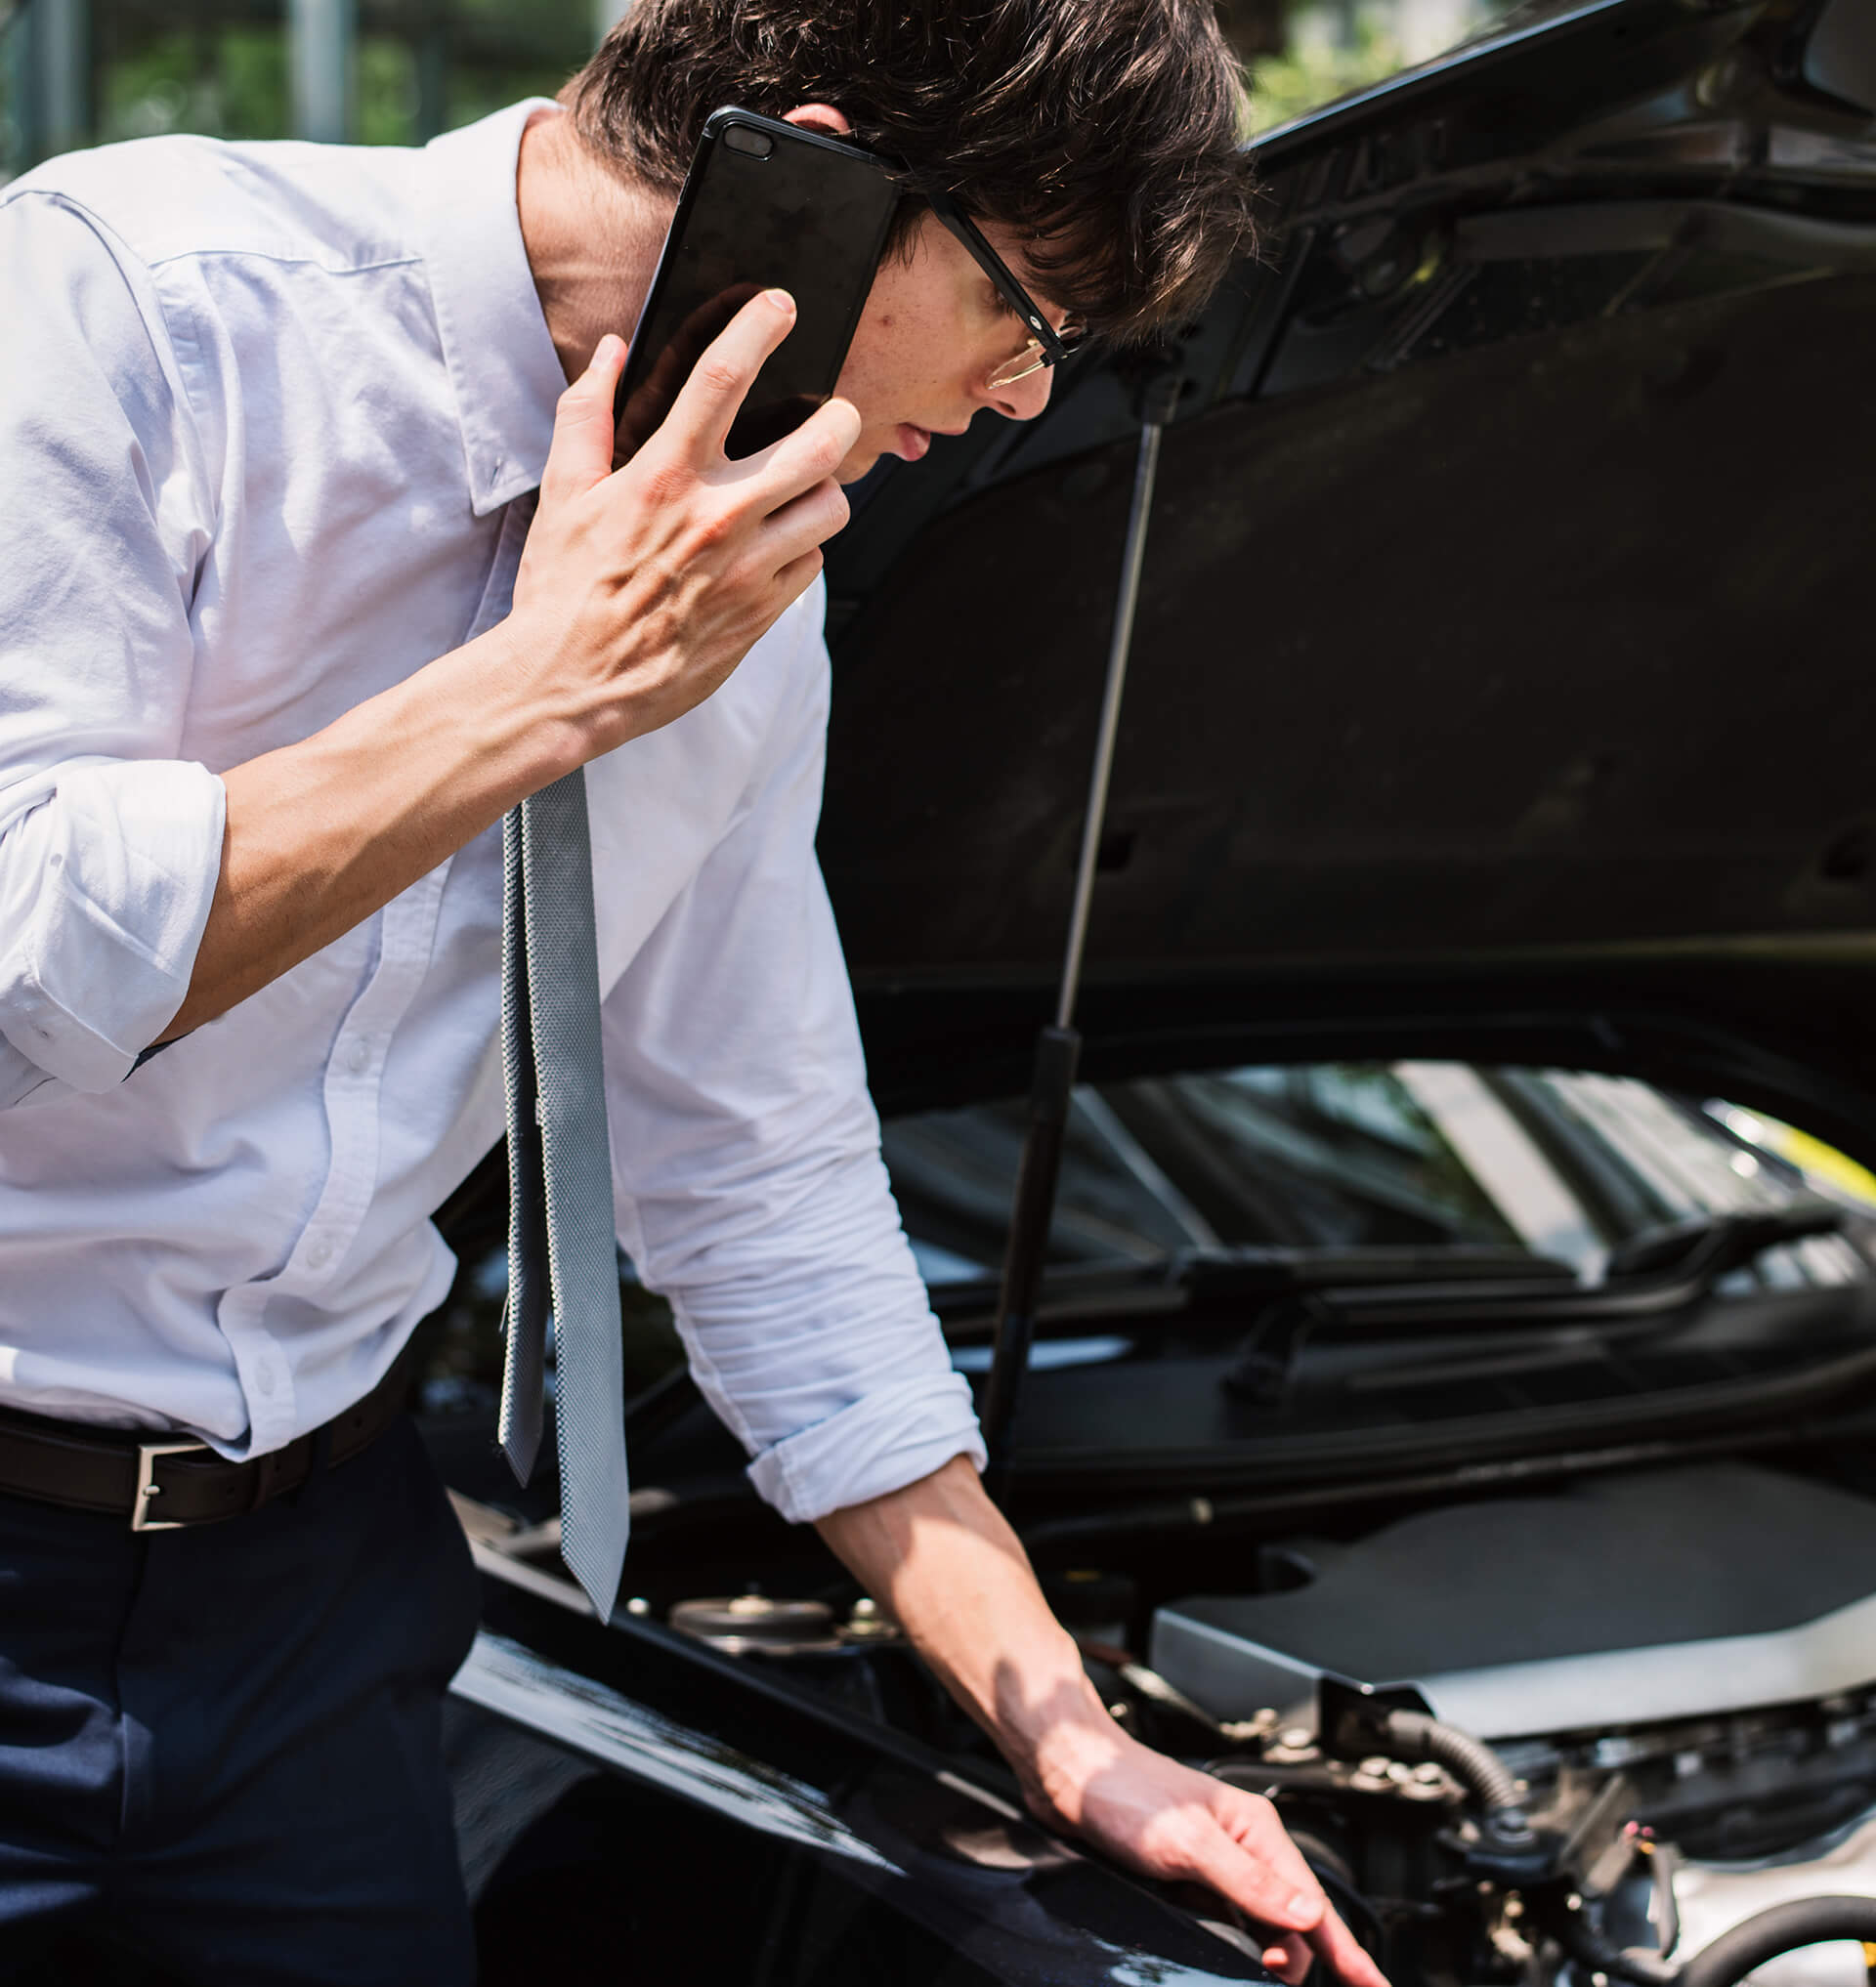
(943, 1560)
(954, 1576)
(323, 833)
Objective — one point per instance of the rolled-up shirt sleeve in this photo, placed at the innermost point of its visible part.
(752, 1190)
(110, 843)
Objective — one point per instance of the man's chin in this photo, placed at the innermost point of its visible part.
(857, 462)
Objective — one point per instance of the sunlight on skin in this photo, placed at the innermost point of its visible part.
(941, 1558)
(934, 330)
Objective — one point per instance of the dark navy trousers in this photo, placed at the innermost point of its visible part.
(221, 1747)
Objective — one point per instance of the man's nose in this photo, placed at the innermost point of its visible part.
(1027, 397)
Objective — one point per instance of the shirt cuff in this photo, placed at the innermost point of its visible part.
(114, 874)
(883, 1442)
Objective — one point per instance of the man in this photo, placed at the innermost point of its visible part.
(282, 638)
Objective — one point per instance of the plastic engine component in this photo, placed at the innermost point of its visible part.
(1624, 1599)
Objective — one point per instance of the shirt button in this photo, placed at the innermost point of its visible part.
(263, 1380)
(358, 1055)
(318, 1253)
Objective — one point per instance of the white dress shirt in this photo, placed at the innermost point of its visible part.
(262, 410)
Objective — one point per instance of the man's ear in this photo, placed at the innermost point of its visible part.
(818, 117)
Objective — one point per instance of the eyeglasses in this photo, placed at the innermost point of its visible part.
(1047, 345)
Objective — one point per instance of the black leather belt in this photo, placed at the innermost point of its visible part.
(163, 1484)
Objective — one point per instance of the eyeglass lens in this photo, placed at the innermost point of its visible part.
(1034, 356)
(1031, 358)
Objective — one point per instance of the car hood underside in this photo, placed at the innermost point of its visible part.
(1501, 662)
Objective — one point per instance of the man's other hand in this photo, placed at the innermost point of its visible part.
(1169, 1822)
(642, 588)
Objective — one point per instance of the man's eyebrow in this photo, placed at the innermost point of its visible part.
(1046, 295)
(1040, 289)
(1057, 306)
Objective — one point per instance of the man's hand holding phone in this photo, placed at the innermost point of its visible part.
(642, 588)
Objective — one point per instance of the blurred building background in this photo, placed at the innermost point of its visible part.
(76, 72)
(374, 72)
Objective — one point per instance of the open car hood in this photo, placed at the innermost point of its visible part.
(1501, 685)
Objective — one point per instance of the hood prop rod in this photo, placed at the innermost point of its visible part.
(1058, 1045)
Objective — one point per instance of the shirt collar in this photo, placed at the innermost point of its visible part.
(502, 361)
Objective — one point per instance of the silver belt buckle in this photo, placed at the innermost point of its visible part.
(148, 1488)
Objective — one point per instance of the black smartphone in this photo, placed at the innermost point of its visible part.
(765, 205)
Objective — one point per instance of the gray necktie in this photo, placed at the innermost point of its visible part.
(563, 1262)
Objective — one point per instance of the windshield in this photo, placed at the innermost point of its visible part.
(1561, 1164)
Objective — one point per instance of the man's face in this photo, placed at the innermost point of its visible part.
(933, 331)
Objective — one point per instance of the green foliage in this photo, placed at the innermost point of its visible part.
(387, 91)
(230, 80)
(476, 92)
(1317, 69)
(230, 83)
(12, 36)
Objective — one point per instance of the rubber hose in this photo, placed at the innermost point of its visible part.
(1414, 1735)
(1591, 1950)
(1807, 1922)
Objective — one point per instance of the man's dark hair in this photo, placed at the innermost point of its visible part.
(1106, 132)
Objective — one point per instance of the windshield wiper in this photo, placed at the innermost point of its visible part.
(1659, 1273)
(1716, 1245)
(1454, 1287)
(1171, 1282)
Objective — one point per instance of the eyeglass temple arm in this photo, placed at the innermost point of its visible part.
(958, 223)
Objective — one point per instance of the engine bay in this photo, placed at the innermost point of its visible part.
(1531, 1575)
(1622, 1731)
(1671, 1667)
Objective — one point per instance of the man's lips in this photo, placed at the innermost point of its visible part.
(911, 440)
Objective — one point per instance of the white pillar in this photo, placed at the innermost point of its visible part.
(320, 34)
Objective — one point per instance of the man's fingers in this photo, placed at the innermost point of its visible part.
(794, 579)
(1344, 1954)
(1287, 1895)
(805, 522)
(1254, 1822)
(814, 449)
(1269, 1878)
(1288, 1958)
(1303, 1919)
(1272, 1897)
(654, 398)
(581, 452)
(711, 398)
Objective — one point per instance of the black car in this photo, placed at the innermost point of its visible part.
(1451, 1407)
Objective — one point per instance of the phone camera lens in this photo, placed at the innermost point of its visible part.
(757, 143)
